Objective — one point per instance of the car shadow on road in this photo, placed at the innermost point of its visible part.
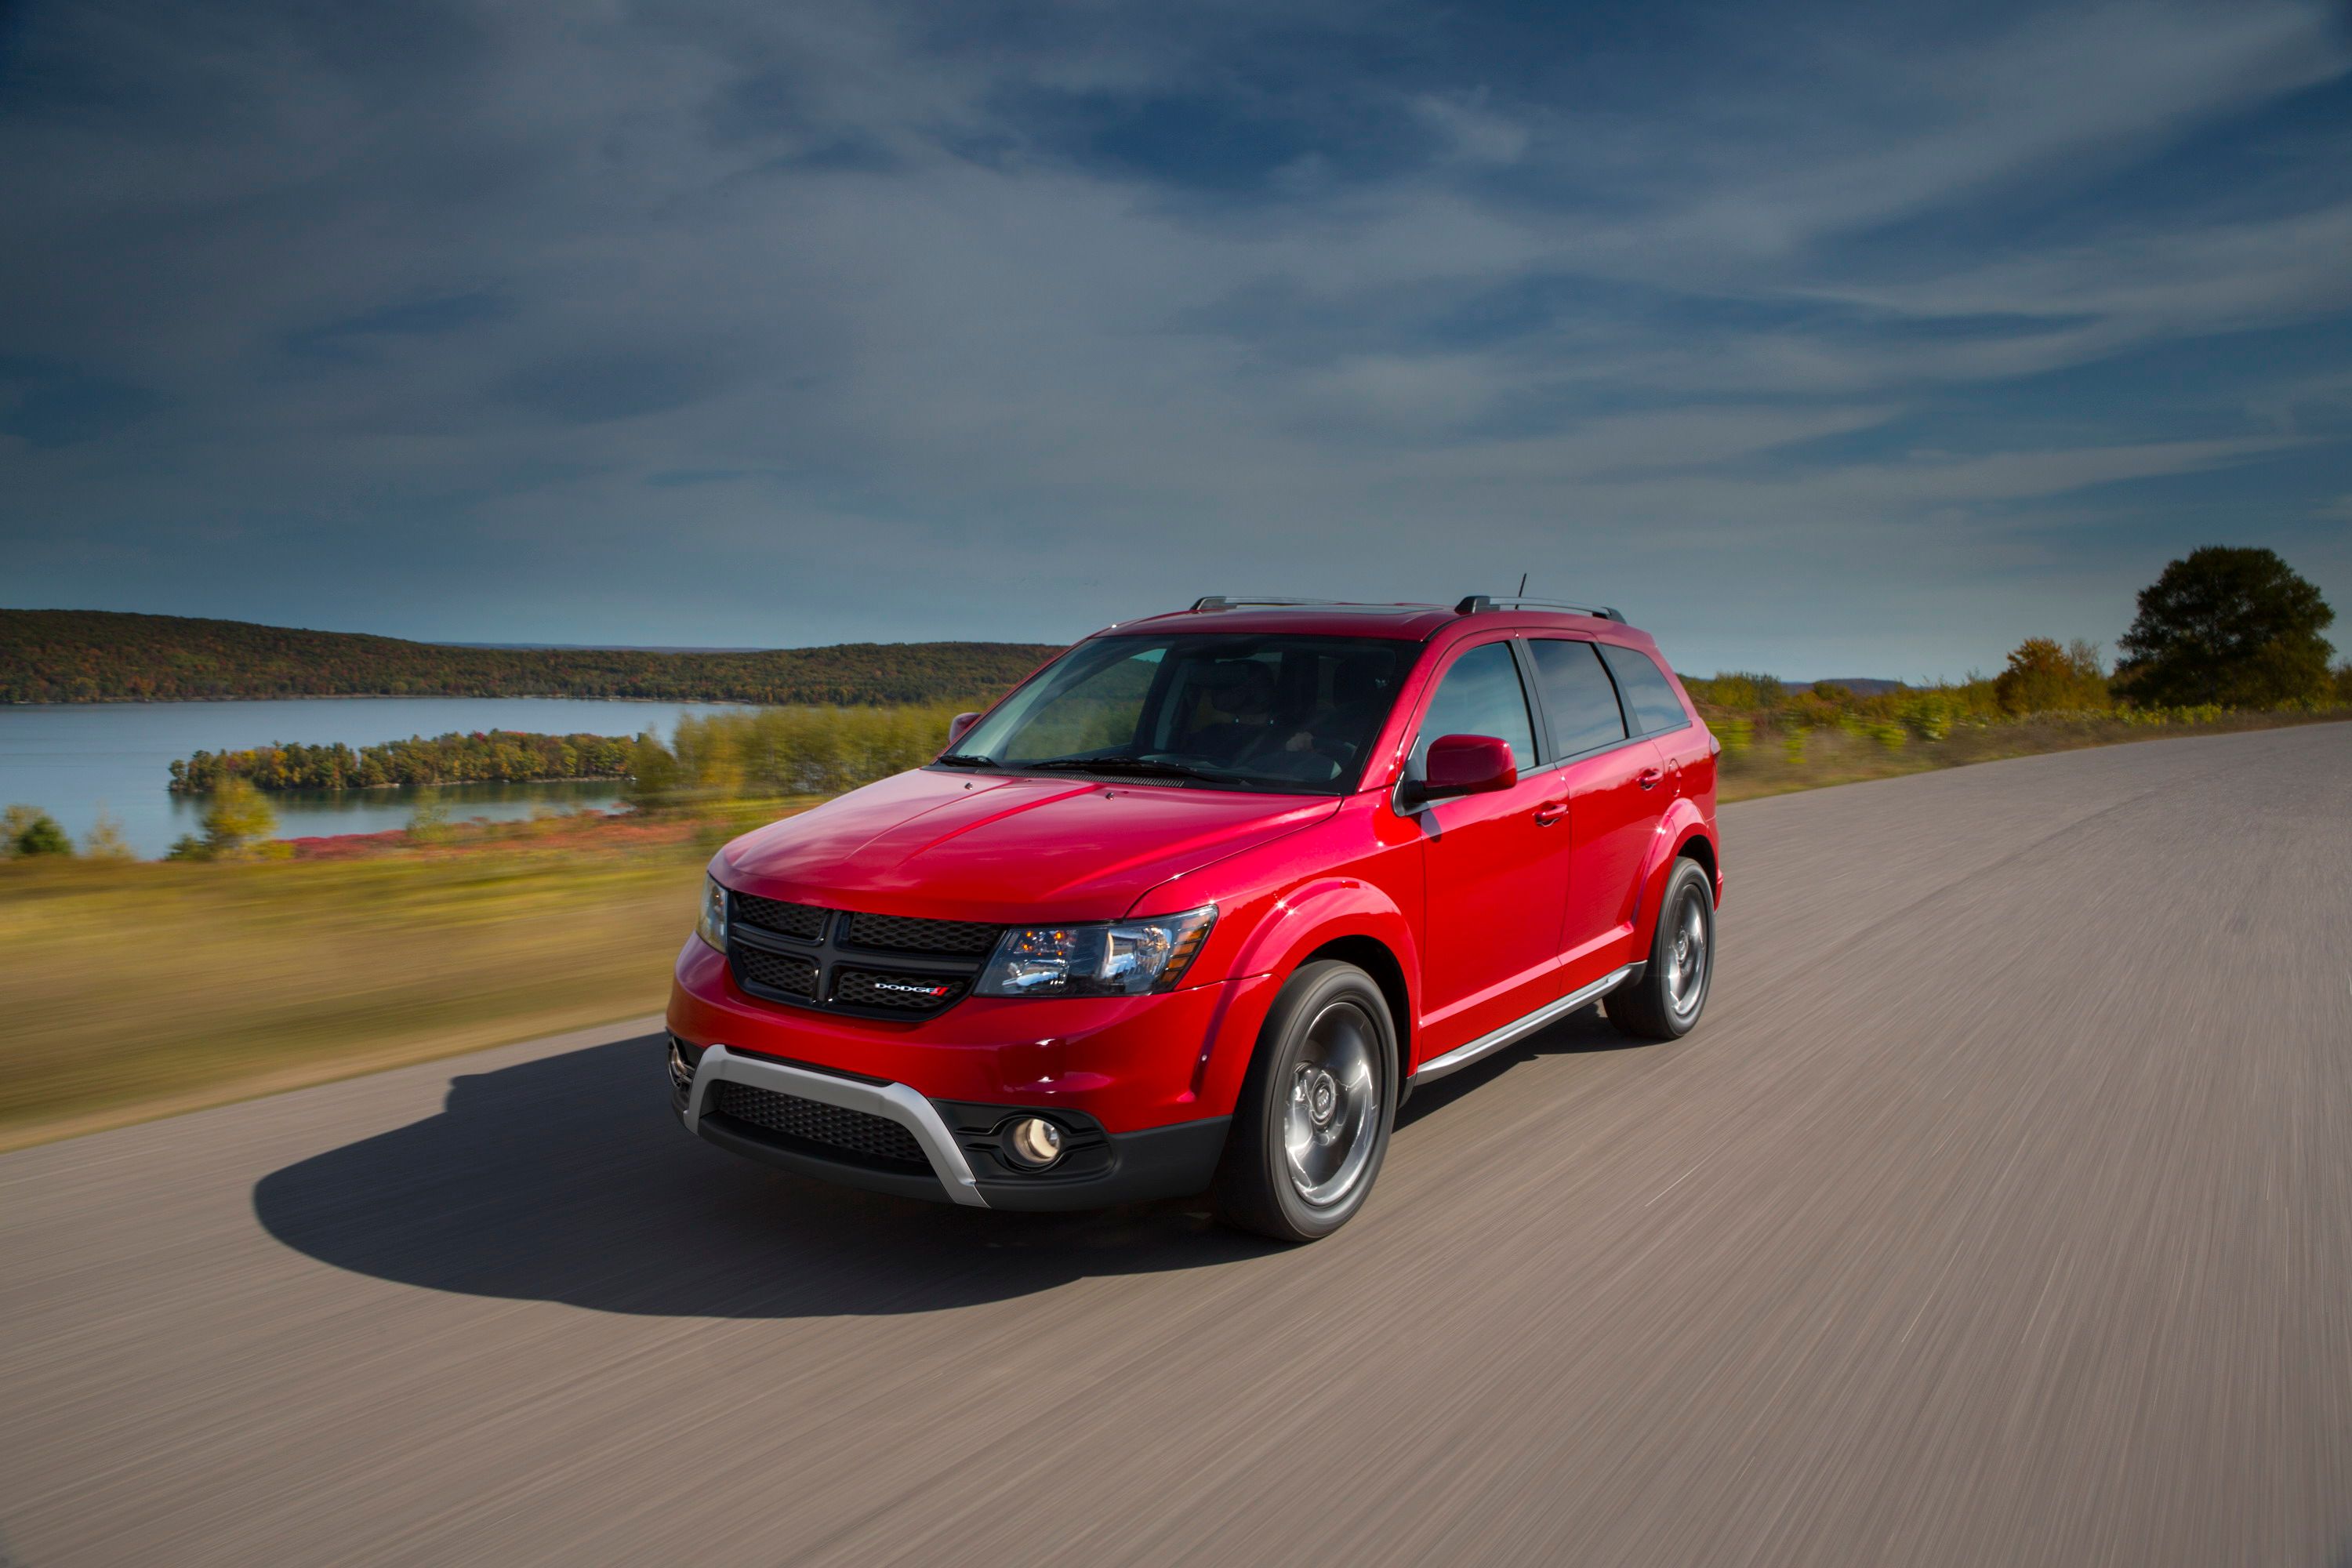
(566, 1179)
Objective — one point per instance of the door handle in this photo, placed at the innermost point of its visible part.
(1650, 777)
(1550, 812)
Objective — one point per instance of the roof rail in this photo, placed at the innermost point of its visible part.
(1476, 603)
(1236, 601)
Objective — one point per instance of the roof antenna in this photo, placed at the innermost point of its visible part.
(1523, 585)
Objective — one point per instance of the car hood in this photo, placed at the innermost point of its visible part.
(955, 847)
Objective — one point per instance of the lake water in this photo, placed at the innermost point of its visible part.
(75, 760)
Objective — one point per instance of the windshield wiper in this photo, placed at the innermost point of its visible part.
(965, 760)
(1140, 767)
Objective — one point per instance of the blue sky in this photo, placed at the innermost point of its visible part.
(1827, 341)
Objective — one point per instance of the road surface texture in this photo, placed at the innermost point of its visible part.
(2000, 1211)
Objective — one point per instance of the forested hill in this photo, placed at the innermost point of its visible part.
(99, 655)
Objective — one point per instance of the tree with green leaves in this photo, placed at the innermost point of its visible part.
(2236, 627)
(27, 831)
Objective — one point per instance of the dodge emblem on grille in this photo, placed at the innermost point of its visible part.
(903, 989)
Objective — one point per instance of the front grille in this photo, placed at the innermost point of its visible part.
(884, 966)
(776, 972)
(876, 1138)
(894, 933)
(806, 922)
(903, 993)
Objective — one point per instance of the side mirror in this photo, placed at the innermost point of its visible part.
(957, 725)
(1463, 764)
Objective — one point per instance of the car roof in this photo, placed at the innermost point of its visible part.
(1414, 623)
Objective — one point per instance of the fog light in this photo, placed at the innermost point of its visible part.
(1033, 1143)
(681, 1071)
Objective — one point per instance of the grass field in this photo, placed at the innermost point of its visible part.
(135, 990)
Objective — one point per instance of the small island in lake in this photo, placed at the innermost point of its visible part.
(489, 756)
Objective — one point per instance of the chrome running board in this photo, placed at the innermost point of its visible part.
(1484, 1044)
(893, 1101)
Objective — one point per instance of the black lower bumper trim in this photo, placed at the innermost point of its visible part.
(1158, 1162)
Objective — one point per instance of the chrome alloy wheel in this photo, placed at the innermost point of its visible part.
(1332, 1123)
(1687, 963)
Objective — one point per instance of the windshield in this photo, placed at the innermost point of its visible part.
(1276, 713)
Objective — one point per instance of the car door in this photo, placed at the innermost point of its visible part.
(1655, 709)
(1495, 866)
(1613, 783)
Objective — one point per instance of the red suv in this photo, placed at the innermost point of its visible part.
(1198, 904)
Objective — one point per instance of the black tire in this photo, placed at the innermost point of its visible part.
(1664, 1002)
(1328, 1038)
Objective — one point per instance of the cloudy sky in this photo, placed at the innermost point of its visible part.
(1841, 341)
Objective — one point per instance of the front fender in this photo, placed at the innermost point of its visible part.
(1681, 823)
(1292, 926)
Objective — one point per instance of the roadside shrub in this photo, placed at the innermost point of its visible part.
(1738, 735)
(429, 822)
(2201, 713)
(775, 751)
(237, 820)
(1930, 715)
(1738, 689)
(2043, 677)
(104, 841)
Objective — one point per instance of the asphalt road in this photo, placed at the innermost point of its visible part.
(2000, 1211)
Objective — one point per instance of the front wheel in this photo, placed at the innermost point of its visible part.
(1664, 1002)
(1316, 1109)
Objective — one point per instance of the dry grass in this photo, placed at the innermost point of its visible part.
(134, 989)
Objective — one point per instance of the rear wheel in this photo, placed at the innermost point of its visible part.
(1664, 1002)
(1316, 1109)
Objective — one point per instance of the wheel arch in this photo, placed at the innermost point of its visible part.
(1698, 847)
(1683, 831)
(1345, 918)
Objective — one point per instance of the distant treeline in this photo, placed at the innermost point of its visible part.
(494, 756)
(98, 655)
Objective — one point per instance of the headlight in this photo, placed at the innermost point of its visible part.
(710, 923)
(1122, 960)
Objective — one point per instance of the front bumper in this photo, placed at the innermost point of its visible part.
(955, 1141)
(1127, 1062)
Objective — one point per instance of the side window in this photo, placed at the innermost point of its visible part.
(1650, 698)
(1577, 696)
(1481, 695)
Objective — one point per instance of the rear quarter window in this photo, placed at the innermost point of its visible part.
(1650, 700)
(1577, 696)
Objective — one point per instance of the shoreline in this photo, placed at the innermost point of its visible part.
(451, 783)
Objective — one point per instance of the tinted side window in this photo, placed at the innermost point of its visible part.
(1481, 695)
(1649, 698)
(1577, 696)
